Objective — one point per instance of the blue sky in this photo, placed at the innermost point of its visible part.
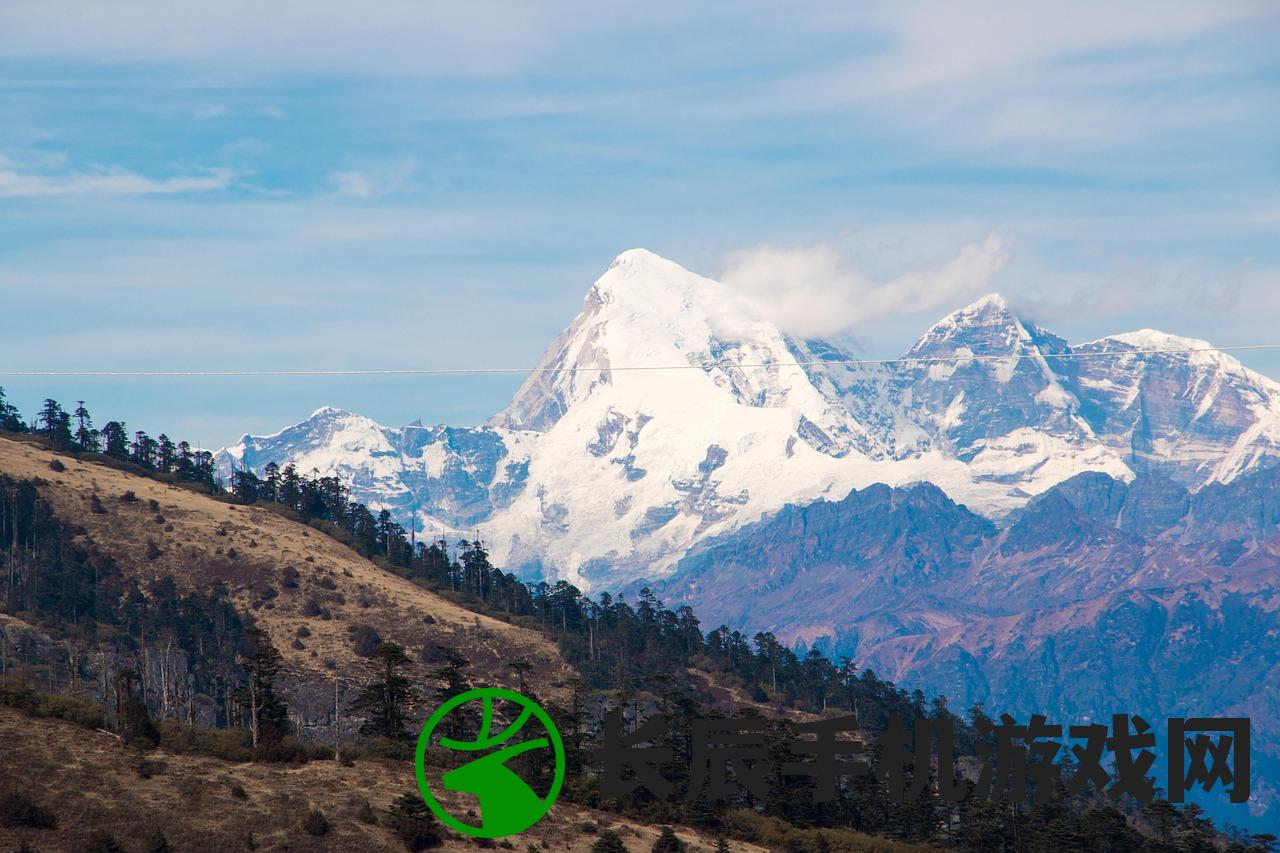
(311, 186)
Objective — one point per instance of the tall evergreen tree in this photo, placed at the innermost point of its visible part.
(54, 424)
(132, 715)
(452, 674)
(609, 842)
(385, 702)
(143, 450)
(115, 441)
(268, 715)
(166, 453)
(668, 842)
(10, 418)
(86, 437)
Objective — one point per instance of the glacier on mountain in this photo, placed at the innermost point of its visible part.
(669, 411)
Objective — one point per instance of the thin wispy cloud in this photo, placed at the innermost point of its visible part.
(501, 153)
(398, 37)
(374, 181)
(209, 112)
(812, 291)
(104, 181)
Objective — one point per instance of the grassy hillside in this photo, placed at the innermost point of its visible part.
(169, 530)
(88, 784)
(130, 599)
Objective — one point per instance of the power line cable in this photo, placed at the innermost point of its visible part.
(441, 371)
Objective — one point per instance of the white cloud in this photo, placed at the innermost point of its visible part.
(354, 184)
(375, 181)
(103, 181)
(393, 37)
(950, 46)
(210, 111)
(810, 292)
(206, 112)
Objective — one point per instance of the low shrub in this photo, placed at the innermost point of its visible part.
(15, 693)
(412, 823)
(364, 639)
(17, 809)
(315, 823)
(229, 745)
(153, 841)
(101, 841)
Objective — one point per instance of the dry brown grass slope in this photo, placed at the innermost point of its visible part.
(89, 783)
(202, 541)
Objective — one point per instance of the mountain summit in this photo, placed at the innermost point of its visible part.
(669, 411)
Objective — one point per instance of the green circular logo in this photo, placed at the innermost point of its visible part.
(508, 803)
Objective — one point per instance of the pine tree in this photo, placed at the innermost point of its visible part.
(386, 701)
(115, 441)
(609, 842)
(521, 667)
(10, 418)
(166, 453)
(268, 714)
(271, 482)
(412, 823)
(54, 424)
(668, 842)
(132, 714)
(86, 437)
(452, 674)
(143, 450)
(183, 465)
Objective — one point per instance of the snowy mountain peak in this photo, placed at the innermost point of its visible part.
(640, 257)
(651, 331)
(639, 282)
(1157, 340)
(670, 410)
(329, 413)
(987, 326)
(989, 310)
(989, 302)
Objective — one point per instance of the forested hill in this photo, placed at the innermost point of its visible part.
(279, 621)
(613, 643)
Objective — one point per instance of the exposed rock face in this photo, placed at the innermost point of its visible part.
(604, 474)
(1099, 595)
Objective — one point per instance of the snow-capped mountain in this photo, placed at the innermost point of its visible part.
(669, 411)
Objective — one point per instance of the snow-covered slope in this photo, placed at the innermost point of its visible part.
(1197, 418)
(604, 469)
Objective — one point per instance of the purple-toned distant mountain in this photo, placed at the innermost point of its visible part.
(1004, 517)
(1098, 596)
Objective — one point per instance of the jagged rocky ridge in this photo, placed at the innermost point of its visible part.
(1099, 596)
(605, 477)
